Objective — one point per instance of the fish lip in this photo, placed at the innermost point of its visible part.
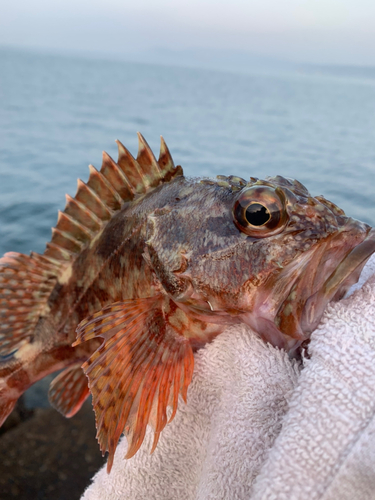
(342, 277)
(358, 256)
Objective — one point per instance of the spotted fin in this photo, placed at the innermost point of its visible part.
(140, 369)
(69, 390)
(104, 193)
(25, 285)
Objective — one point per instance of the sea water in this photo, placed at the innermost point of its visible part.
(58, 113)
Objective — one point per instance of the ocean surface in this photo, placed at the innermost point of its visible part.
(57, 114)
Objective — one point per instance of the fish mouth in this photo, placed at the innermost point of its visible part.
(338, 282)
(291, 303)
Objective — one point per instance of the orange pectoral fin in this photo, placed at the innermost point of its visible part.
(140, 369)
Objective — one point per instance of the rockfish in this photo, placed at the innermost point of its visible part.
(145, 266)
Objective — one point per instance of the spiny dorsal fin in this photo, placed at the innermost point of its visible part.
(147, 161)
(113, 173)
(104, 193)
(129, 166)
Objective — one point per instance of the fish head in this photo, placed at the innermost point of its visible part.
(263, 252)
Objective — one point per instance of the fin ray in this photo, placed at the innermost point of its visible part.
(147, 162)
(67, 224)
(22, 278)
(117, 178)
(66, 240)
(130, 167)
(141, 367)
(89, 197)
(69, 390)
(82, 214)
(103, 189)
(165, 160)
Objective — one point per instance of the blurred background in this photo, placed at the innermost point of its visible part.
(245, 88)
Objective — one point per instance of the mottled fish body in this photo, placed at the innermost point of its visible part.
(150, 266)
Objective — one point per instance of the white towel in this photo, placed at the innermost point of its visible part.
(326, 449)
(255, 429)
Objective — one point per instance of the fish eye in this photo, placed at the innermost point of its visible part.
(260, 211)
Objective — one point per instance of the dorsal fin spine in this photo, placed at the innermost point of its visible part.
(57, 252)
(165, 160)
(82, 213)
(50, 264)
(66, 240)
(129, 165)
(147, 162)
(104, 189)
(117, 178)
(68, 224)
(89, 198)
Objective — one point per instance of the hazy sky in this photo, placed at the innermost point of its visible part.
(322, 31)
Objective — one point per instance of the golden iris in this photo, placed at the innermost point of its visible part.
(260, 211)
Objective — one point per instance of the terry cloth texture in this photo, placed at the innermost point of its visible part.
(255, 428)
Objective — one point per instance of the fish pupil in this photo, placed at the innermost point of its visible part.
(257, 214)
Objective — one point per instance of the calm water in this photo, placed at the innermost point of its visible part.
(57, 114)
